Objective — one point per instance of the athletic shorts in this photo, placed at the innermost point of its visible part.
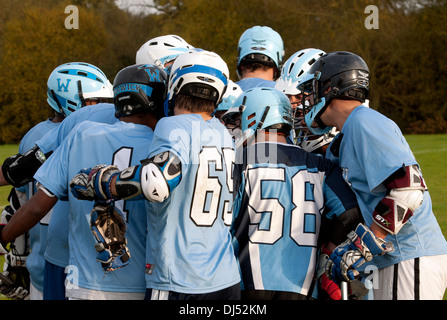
(54, 282)
(423, 278)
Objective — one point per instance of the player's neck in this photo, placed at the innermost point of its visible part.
(146, 119)
(266, 75)
(205, 115)
(264, 136)
(338, 112)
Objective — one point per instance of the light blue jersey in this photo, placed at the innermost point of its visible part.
(101, 112)
(123, 144)
(35, 262)
(282, 193)
(372, 147)
(249, 83)
(57, 242)
(189, 243)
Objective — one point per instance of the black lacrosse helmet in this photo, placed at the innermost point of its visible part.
(335, 75)
(140, 88)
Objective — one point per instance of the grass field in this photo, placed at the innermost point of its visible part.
(430, 152)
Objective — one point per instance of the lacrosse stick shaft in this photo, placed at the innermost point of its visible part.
(6, 280)
(344, 290)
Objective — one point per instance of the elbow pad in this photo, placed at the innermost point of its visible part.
(154, 179)
(160, 175)
(154, 185)
(19, 169)
(405, 195)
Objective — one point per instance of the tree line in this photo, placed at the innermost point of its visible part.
(406, 50)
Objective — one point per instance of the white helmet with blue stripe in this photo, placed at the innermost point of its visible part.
(161, 51)
(261, 44)
(264, 109)
(199, 73)
(71, 84)
(294, 68)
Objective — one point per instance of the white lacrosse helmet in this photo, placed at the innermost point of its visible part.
(297, 65)
(311, 142)
(199, 73)
(160, 51)
(233, 91)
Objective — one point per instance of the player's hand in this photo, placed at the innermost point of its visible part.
(329, 287)
(93, 183)
(15, 282)
(3, 249)
(360, 247)
(109, 229)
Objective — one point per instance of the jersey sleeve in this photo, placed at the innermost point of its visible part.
(53, 174)
(101, 113)
(380, 148)
(168, 136)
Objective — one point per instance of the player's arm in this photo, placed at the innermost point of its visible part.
(3, 181)
(19, 169)
(405, 193)
(27, 216)
(154, 179)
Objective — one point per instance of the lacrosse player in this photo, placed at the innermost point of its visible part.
(381, 169)
(283, 194)
(20, 168)
(187, 180)
(259, 55)
(292, 72)
(105, 264)
(69, 87)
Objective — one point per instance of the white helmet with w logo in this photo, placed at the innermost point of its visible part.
(70, 84)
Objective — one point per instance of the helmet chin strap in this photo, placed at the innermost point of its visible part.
(81, 95)
(53, 94)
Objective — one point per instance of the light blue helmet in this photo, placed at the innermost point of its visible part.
(294, 68)
(263, 108)
(233, 91)
(261, 44)
(70, 84)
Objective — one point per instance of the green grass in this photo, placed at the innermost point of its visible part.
(430, 152)
(6, 151)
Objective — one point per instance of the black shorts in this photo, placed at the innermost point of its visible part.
(271, 295)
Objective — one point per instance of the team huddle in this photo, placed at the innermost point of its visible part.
(176, 183)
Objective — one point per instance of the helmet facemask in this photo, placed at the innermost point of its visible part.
(314, 103)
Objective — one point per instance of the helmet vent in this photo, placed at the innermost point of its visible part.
(291, 67)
